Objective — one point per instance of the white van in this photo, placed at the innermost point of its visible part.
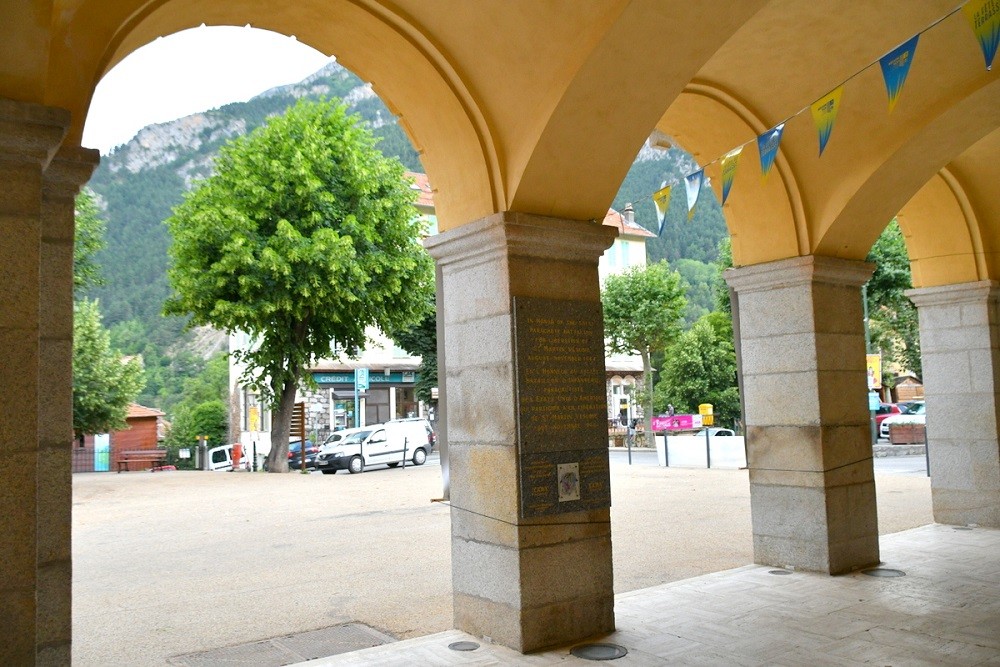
(387, 444)
(221, 458)
(416, 430)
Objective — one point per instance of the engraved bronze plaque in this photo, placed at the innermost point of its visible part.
(561, 406)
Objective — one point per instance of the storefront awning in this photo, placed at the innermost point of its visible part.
(347, 394)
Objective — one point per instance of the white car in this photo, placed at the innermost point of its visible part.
(390, 444)
(715, 431)
(912, 413)
(336, 437)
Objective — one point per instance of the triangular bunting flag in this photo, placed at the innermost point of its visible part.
(729, 161)
(824, 112)
(984, 17)
(661, 199)
(895, 67)
(692, 184)
(767, 144)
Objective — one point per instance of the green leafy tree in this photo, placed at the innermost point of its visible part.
(643, 311)
(700, 368)
(209, 419)
(210, 384)
(202, 411)
(699, 287)
(103, 383)
(892, 317)
(88, 241)
(421, 339)
(724, 261)
(304, 235)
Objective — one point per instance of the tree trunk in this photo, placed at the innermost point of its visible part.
(281, 422)
(647, 374)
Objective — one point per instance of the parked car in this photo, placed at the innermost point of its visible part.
(389, 444)
(714, 431)
(884, 411)
(294, 457)
(336, 437)
(910, 413)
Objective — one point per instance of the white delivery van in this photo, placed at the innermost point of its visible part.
(416, 430)
(221, 458)
(379, 444)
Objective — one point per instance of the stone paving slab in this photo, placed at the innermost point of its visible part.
(289, 649)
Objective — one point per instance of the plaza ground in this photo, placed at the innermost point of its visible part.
(167, 564)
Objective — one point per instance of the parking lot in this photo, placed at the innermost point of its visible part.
(177, 562)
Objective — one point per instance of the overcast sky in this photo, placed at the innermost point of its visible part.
(192, 71)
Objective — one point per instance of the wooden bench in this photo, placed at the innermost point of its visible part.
(158, 457)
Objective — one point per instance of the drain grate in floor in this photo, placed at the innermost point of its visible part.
(289, 649)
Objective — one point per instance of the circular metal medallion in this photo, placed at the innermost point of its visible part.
(883, 572)
(463, 646)
(599, 651)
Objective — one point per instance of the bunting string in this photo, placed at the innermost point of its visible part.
(984, 19)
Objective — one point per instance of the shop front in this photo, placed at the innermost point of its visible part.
(390, 395)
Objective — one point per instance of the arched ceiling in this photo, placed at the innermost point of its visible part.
(540, 107)
(515, 105)
(952, 224)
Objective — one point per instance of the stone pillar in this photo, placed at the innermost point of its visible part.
(29, 136)
(68, 171)
(960, 352)
(527, 429)
(812, 488)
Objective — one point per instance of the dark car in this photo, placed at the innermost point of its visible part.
(294, 454)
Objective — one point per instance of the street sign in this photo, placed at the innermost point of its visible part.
(360, 385)
(873, 401)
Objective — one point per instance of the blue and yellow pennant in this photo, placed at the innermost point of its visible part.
(984, 17)
(768, 144)
(661, 199)
(729, 162)
(824, 113)
(692, 185)
(895, 68)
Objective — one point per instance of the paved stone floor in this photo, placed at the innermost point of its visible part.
(944, 611)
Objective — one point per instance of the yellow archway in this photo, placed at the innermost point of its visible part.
(527, 141)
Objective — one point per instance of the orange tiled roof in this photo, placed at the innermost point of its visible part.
(425, 196)
(617, 220)
(136, 410)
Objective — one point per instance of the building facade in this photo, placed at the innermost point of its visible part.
(333, 405)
